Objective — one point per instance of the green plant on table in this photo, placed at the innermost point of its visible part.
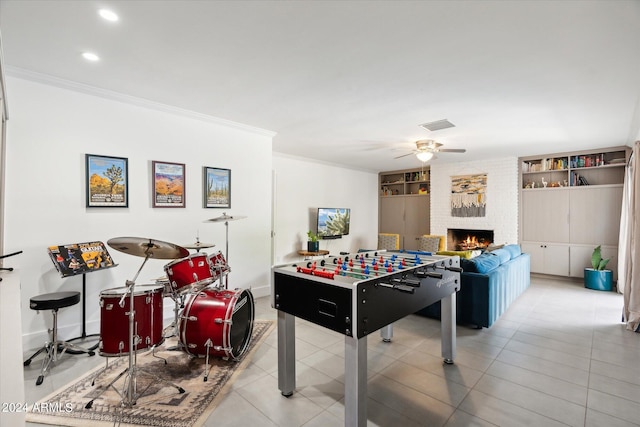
(313, 237)
(596, 259)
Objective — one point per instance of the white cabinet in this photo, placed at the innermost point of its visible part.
(545, 215)
(548, 258)
(595, 214)
(407, 216)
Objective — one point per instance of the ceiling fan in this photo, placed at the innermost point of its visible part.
(426, 148)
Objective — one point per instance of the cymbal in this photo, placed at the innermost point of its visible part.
(143, 247)
(198, 245)
(224, 218)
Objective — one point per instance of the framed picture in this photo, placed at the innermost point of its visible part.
(107, 181)
(217, 187)
(168, 185)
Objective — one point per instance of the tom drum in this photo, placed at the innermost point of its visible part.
(190, 274)
(219, 266)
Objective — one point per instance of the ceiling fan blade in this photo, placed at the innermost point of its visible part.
(452, 150)
(404, 155)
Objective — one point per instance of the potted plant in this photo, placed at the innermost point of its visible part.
(597, 277)
(313, 245)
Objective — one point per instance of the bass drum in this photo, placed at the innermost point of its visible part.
(219, 322)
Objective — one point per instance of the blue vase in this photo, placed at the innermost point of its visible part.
(600, 280)
(313, 246)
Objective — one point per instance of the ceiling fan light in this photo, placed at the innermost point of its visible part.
(424, 156)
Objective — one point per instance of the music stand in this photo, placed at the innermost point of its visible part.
(79, 259)
(7, 256)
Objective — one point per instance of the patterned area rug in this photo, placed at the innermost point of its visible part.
(159, 402)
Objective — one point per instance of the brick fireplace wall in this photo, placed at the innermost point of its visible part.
(502, 198)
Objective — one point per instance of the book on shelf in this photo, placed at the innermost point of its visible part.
(544, 165)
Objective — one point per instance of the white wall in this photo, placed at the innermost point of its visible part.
(50, 130)
(303, 186)
(502, 198)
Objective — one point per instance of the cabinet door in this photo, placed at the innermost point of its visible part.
(556, 259)
(545, 215)
(391, 216)
(416, 220)
(595, 215)
(548, 258)
(535, 251)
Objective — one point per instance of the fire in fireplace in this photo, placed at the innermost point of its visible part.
(467, 239)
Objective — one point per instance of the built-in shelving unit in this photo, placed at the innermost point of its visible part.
(600, 167)
(405, 182)
(404, 205)
(571, 203)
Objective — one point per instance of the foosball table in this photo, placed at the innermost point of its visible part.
(356, 295)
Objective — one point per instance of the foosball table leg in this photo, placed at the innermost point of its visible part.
(448, 325)
(286, 353)
(355, 381)
(386, 332)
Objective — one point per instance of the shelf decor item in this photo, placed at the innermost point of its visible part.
(597, 277)
(313, 245)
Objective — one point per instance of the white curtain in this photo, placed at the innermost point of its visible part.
(628, 253)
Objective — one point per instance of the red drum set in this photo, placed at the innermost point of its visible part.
(210, 320)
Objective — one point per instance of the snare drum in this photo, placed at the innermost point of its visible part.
(219, 266)
(166, 285)
(114, 320)
(189, 274)
(217, 322)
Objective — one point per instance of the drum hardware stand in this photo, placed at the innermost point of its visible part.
(226, 218)
(129, 393)
(84, 321)
(208, 344)
(179, 303)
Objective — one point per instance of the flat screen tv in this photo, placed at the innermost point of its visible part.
(333, 223)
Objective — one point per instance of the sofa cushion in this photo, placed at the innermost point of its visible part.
(482, 264)
(514, 250)
(502, 254)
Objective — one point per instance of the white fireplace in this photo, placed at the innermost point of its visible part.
(501, 215)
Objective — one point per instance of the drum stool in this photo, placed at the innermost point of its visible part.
(54, 301)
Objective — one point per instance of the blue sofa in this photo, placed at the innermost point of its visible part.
(490, 283)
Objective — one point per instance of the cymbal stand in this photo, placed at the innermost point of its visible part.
(129, 393)
(226, 254)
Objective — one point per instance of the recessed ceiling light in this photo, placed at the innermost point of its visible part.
(90, 56)
(108, 15)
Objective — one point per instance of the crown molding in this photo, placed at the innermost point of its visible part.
(128, 99)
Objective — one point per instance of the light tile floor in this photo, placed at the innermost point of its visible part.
(559, 356)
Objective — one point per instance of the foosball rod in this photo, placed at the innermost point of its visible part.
(407, 257)
(408, 262)
(357, 269)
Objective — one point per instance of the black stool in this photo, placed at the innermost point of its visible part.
(53, 302)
